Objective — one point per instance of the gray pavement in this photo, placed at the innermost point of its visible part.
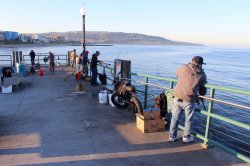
(46, 122)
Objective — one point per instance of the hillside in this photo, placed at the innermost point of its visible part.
(101, 37)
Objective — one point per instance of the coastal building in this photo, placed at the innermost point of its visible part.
(10, 35)
(36, 38)
(57, 38)
(25, 38)
(1, 36)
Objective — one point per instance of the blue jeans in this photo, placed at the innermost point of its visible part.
(178, 108)
(94, 76)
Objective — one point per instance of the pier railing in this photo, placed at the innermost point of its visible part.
(18, 57)
(223, 121)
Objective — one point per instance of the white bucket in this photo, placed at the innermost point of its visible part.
(110, 101)
(7, 89)
(103, 97)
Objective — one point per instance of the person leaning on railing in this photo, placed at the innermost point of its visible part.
(191, 80)
(93, 67)
(32, 57)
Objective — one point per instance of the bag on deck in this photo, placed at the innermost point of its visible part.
(165, 102)
(169, 95)
(78, 75)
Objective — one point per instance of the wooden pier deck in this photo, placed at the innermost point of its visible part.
(47, 123)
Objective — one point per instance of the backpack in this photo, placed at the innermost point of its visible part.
(163, 104)
(166, 102)
(169, 95)
(103, 78)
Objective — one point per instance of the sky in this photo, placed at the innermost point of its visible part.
(211, 22)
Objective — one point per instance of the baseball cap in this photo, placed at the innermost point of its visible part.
(97, 53)
(198, 60)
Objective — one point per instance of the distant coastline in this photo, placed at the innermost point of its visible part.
(36, 45)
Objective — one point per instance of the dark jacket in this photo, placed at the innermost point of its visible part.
(85, 58)
(190, 79)
(51, 57)
(32, 54)
(94, 61)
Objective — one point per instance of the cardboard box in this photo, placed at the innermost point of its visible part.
(152, 113)
(156, 113)
(149, 126)
(147, 114)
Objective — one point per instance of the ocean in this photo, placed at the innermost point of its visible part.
(227, 67)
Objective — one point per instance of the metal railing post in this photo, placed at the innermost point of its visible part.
(209, 111)
(39, 58)
(13, 59)
(171, 84)
(146, 93)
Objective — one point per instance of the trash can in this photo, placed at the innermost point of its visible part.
(21, 68)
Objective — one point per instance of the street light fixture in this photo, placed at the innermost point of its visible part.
(83, 13)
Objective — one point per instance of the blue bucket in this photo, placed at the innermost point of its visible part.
(21, 68)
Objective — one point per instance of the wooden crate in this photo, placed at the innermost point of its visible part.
(152, 113)
(149, 126)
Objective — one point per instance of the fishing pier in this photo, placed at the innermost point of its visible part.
(47, 122)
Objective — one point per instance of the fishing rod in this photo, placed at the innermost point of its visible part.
(203, 105)
(67, 77)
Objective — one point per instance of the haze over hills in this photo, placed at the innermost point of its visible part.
(103, 37)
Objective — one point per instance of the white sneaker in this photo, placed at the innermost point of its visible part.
(188, 139)
(172, 139)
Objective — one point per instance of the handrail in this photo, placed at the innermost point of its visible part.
(207, 85)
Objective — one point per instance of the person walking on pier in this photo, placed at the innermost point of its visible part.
(51, 59)
(73, 58)
(32, 57)
(93, 67)
(191, 80)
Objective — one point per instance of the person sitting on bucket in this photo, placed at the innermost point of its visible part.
(191, 79)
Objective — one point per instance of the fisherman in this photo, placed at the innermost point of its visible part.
(85, 61)
(93, 67)
(51, 59)
(32, 57)
(78, 64)
(73, 58)
(191, 80)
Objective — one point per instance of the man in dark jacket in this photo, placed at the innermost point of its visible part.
(191, 80)
(93, 67)
(51, 59)
(85, 61)
(32, 57)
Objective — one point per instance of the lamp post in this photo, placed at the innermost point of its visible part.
(83, 13)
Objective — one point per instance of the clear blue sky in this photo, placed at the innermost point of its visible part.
(211, 22)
